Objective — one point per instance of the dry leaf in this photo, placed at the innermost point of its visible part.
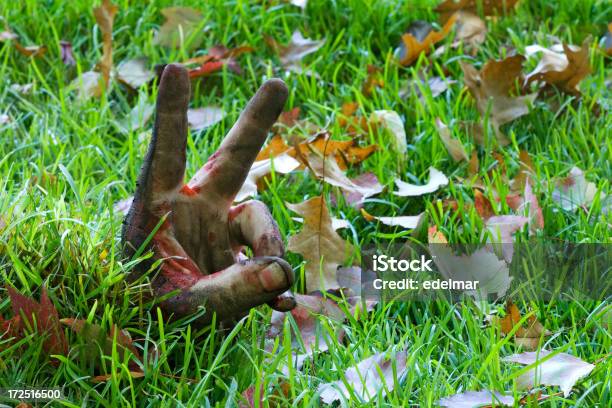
(473, 399)
(322, 248)
(139, 115)
(327, 169)
(564, 72)
(470, 30)
(404, 221)
(491, 87)
(218, 56)
(367, 183)
(436, 86)
(413, 45)
(437, 179)
(292, 54)
(562, 369)
(500, 230)
(527, 336)
(106, 377)
(202, 118)
(453, 146)
(105, 16)
(179, 25)
(373, 80)
(392, 121)
(574, 191)
(31, 50)
(482, 265)
(134, 72)
(488, 7)
(283, 164)
(367, 379)
(88, 85)
(41, 316)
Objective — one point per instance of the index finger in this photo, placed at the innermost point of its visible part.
(226, 170)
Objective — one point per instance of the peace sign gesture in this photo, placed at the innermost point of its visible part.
(200, 239)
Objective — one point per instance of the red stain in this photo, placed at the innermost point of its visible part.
(188, 191)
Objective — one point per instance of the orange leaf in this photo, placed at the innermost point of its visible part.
(105, 15)
(414, 47)
(488, 7)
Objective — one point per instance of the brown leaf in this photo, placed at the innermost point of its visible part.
(376, 374)
(412, 46)
(105, 16)
(178, 28)
(322, 248)
(42, 317)
(373, 80)
(483, 205)
(470, 30)
(564, 73)
(292, 54)
(488, 7)
(453, 146)
(528, 335)
(31, 50)
(106, 377)
(491, 87)
(218, 57)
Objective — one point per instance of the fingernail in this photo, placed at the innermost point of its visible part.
(273, 278)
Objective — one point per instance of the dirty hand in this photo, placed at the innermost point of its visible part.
(200, 240)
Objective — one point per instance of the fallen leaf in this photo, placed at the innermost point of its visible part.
(470, 30)
(40, 316)
(139, 115)
(436, 86)
(96, 340)
(488, 7)
(105, 16)
(391, 121)
(283, 164)
(88, 85)
(322, 248)
(404, 221)
(218, 57)
(526, 336)
(562, 369)
(373, 80)
(202, 118)
(337, 223)
(31, 50)
(563, 72)
(574, 191)
(483, 265)
(437, 179)
(66, 53)
(530, 207)
(483, 205)
(367, 183)
(179, 28)
(292, 54)
(413, 43)
(474, 399)
(367, 379)
(299, 3)
(453, 146)
(123, 206)
(134, 72)
(500, 230)
(491, 87)
(327, 170)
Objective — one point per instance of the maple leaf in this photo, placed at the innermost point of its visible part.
(488, 7)
(491, 87)
(527, 337)
(322, 248)
(564, 72)
(437, 179)
(372, 376)
(472, 399)
(453, 146)
(292, 54)
(179, 28)
(134, 72)
(561, 369)
(40, 316)
(416, 41)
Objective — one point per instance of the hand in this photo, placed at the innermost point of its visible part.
(200, 240)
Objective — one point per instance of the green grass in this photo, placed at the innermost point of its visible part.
(64, 163)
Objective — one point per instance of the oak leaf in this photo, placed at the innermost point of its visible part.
(322, 248)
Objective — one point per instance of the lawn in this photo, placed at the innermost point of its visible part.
(66, 161)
